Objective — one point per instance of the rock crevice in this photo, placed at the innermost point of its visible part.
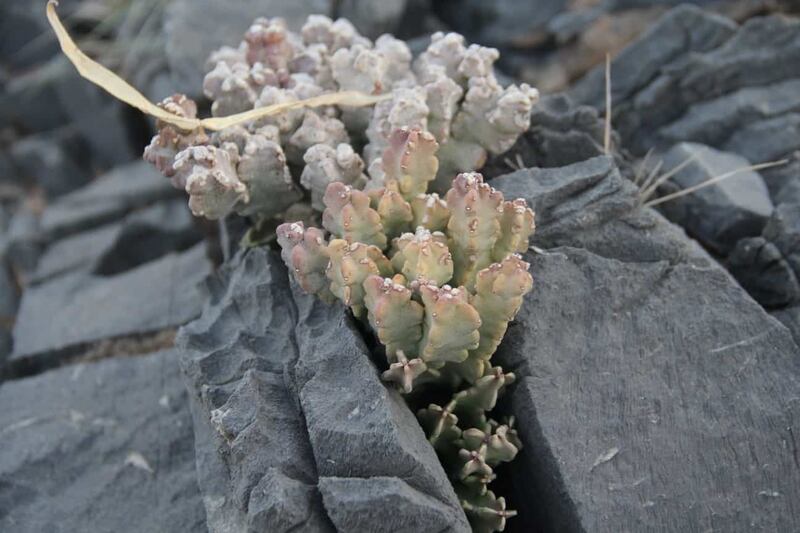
(271, 369)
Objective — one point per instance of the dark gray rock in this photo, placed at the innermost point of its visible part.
(9, 298)
(9, 301)
(707, 87)
(79, 251)
(769, 266)
(765, 140)
(685, 29)
(108, 198)
(771, 139)
(23, 242)
(140, 237)
(99, 447)
(357, 426)
(561, 133)
(758, 265)
(29, 102)
(53, 94)
(695, 76)
(499, 23)
(55, 161)
(570, 199)
(195, 28)
(788, 186)
(721, 214)
(653, 389)
(747, 59)
(790, 317)
(372, 504)
(249, 429)
(9, 175)
(738, 92)
(373, 19)
(713, 121)
(104, 129)
(591, 206)
(6, 212)
(284, 391)
(783, 229)
(61, 315)
(6, 343)
(25, 38)
(666, 426)
(418, 23)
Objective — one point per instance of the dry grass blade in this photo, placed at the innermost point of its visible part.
(122, 90)
(342, 98)
(651, 176)
(714, 180)
(648, 192)
(101, 76)
(642, 168)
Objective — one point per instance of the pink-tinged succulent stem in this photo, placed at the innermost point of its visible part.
(348, 216)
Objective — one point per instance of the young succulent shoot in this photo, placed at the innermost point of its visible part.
(449, 93)
(170, 140)
(438, 281)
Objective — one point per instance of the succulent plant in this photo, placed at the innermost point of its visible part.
(264, 169)
(438, 281)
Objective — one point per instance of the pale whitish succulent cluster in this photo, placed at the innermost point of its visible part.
(266, 167)
(438, 280)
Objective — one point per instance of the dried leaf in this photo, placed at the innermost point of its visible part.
(122, 90)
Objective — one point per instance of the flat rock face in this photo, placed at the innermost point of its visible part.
(284, 393)
(760, 267)
(99, 447)
(358, 427)
(107, 198)
(79, 308)
(376, 18)
(721, 214)
(113, 248)
(249, 430)
(653, 390)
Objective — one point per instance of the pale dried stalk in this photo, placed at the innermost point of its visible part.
(122, 90)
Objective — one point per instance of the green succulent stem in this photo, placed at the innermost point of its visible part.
(439, 298)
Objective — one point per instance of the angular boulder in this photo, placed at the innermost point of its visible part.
(138, 238)
(103, 446)
(768, 266)
(697, 76)
(284, 389)
(653, 389)
(720, 214)
(107, 198)
(60, 317)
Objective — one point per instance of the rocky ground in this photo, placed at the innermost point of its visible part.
(657, 355)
